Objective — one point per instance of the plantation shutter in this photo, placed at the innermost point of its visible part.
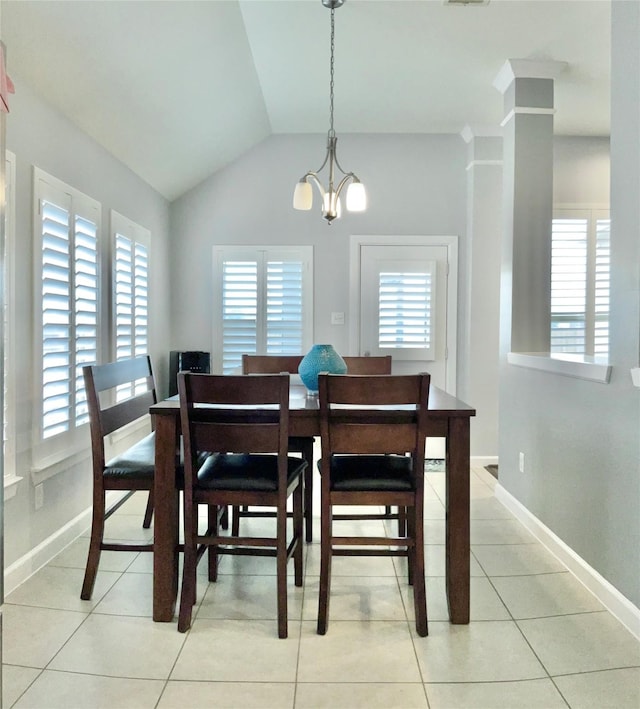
(69, 302)
(56, 317)
(85, 307)
(602, 286)
(284, 307)
(580, 280)
(569, 285)
(406, 309)
(239, 312)
(264, 306)
(131, 291)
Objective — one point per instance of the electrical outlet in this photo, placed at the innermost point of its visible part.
(39, 496)
(521, 463)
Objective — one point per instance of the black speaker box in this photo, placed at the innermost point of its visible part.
(192, 361)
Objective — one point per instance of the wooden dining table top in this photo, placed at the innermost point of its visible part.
(303, 404)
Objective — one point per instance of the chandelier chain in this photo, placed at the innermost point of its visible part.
(331, 130)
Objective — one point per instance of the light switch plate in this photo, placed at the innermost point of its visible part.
(337, 318)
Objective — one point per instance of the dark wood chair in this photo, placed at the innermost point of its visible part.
(274, 364)
(130, 471)
(373, 456)
(244, 423)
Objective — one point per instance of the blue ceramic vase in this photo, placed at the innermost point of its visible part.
(320, 358)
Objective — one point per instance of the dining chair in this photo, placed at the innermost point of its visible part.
(244, 423)
(373, 434)
(129, 471)
(274, 364)
(376, 364)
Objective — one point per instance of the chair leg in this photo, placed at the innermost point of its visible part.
(189, 588)
(148, 514)
(281, 562)
(212, 527)
(325, 567)
(298, 514)
(224, 518)
(235, 521)
(95, 545)
(307, 454)
(419, 590)
(402, 521)
(410, 523)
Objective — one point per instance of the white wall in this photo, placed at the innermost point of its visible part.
(580, 438)
(415, 185)
(40, 136)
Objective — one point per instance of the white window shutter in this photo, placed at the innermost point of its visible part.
(580, 280)
(239, 312)
(568, 285)
(284, 307)
(85, 307)
(130, 263)
(406, 309)
(602, 287)
(69, 293)
(262, 303)
(56, 318)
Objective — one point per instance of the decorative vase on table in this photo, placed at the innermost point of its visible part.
(320, 358)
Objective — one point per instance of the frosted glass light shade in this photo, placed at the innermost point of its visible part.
(356, 197)
(303, 196)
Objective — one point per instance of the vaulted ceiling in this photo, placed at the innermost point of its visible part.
(176, 89)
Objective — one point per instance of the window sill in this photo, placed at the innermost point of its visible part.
(53, 465)
(567, 365)
(10, 486)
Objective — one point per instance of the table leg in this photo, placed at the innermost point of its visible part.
(458, 525)
(165, 540)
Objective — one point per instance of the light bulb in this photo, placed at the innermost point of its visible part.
(331, 206)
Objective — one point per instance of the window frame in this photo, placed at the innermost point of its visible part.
(10, 477)
(262, 255)
(61, 446)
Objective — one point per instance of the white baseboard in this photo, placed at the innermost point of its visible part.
(620, 606)
(42, 554)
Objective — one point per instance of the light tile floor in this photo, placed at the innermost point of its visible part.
(537, 638)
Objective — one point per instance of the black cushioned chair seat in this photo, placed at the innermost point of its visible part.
(243, 471)
(137, 461)
(371, 472)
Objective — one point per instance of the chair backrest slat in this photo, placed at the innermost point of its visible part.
(357, 413)
(368, 365)
(105, 414)
(270, 364)
(209, 424)
(124, 371)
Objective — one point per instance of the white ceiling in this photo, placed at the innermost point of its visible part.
(176, 89)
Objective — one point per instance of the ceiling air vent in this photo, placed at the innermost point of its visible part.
(465, 2)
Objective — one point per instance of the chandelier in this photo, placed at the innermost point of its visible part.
(356, 195)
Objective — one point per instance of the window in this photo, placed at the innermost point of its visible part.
(131, 243)
(263, 302)
(406, 309)
(68, 284)
(580, 282)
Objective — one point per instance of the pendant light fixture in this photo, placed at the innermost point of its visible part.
(356, 195)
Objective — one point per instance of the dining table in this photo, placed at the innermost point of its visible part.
(448, 418)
